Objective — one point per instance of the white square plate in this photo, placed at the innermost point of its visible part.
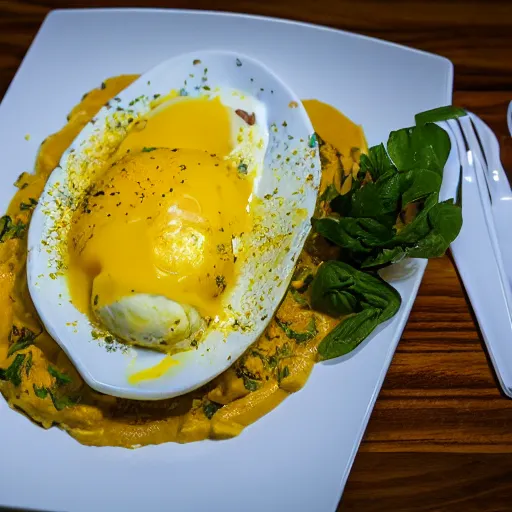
(297, 457)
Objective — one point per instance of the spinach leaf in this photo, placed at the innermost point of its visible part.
(394, 216)
(299, 337)
(348, 334)
(331, 290)
(61, 379)
(368, 228)
(419, 227)
(428, 236)
(419, 184)
(333, 229)
(419, 147)
(339, 289)
(342, 204)
(439, 114)
(377, 162)
(13, 373)
(445, 220)
(370, 232)
(384, 257)
(377, 198)
(359, 237)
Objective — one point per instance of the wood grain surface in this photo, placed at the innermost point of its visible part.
(440, 437)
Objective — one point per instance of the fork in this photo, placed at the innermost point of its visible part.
(478, 256)
(485, 146)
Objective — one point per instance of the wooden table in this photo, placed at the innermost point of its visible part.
(440, 437)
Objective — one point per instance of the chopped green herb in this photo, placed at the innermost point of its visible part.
(312, 141)
(13, 373)
(297, 297)
(9, 230)
(147, 150)
(250, 384)
(299, 337)
(238, 62)
(28, 364)
(220, 281)
(40, 392)
(63, 401)
(136, 100)
(30, 205)
(61, 379)
(210, 408)
(282, 373)
(25, 338)
(20, 181)
(103, 85)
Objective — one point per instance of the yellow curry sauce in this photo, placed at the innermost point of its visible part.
(50, 391)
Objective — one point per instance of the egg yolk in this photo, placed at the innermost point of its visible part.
(160, 220)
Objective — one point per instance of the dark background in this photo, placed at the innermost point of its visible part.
(440, 437)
